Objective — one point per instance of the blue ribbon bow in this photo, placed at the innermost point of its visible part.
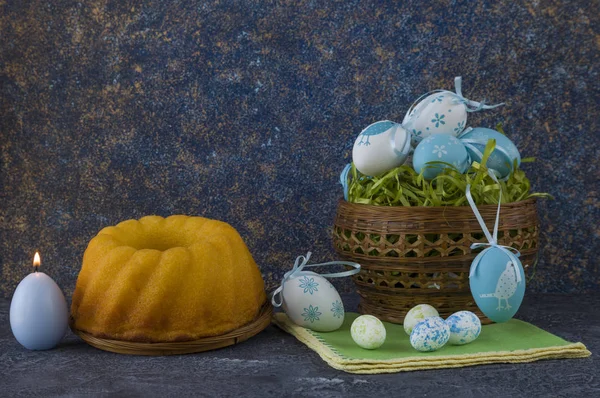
(511, 252)
(470, 144)
(301, 263)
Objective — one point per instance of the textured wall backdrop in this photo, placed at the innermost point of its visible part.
(247, 112)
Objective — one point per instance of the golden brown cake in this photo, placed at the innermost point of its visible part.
(168, 279)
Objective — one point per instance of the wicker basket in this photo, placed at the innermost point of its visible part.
(415, 255)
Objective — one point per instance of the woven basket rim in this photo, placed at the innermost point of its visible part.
(344, 202)
(257, 325)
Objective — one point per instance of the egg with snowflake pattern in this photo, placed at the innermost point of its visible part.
(443, 112)
(311, 301)
(497, 284)
(503, 156)
(440, 148)
(381, 147)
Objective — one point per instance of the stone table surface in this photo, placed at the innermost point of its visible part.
(275, 364)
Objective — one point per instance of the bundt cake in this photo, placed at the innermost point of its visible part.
(159, 279)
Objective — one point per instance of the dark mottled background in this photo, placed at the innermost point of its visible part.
(247, 111)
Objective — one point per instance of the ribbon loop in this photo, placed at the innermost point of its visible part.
(472, 106)
(492, 238)
(297, 270)
(344, 180)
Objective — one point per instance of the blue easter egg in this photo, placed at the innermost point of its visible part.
(500, 160)
(494, 284)
(441, 148)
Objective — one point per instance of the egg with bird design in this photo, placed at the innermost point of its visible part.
(497, 282)
(440, 148)
(502, 158)
(380, 147)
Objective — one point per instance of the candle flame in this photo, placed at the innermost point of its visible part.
(36, 260)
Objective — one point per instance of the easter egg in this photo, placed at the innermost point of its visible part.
(440, 148)
(443, 112)
(311, 301)
(494, 284)
(368, 332)
(464, 326)
(417, 314)
(503, 156)
(381, 147)
(430, 334)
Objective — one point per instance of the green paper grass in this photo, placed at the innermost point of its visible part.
(403, 186)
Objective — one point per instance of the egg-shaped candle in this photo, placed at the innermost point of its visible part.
(38, 312)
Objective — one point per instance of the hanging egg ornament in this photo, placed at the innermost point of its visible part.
(381, 147)
(440, 148)
(464, 326)
(502, 157)
(311, 301)
(440, 113)
(497, 283)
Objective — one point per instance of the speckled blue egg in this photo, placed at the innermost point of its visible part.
(499, 160)
(430, 334)
(464, 326)
(494, 284)
(440, 148)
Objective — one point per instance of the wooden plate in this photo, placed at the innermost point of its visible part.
(183, 347)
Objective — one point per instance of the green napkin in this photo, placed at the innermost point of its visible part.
(514, 341)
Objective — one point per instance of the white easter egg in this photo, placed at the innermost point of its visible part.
(368, 332)
(464, 326)
(440, 148)
(430, 334)
(417, 314)
(311, 301)
(439, 113)
(381, 147)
